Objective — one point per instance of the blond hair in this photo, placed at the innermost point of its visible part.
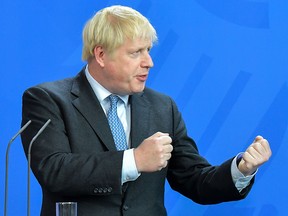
(111, 26)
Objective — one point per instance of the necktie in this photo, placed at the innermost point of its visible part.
(116, 125)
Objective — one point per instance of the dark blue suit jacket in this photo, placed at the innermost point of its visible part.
(75, 158)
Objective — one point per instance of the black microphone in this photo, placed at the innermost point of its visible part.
(29, 163)
(7, 166)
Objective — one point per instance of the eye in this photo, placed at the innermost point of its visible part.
(135, 53)
(138, 51)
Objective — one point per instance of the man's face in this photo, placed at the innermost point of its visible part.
(126, 70)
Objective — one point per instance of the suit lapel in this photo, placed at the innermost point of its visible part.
(88, 105)
(140, 109)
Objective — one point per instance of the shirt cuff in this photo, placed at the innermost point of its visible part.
(129, 169)
(239, 179)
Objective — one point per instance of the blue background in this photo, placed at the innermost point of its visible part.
(224, 62)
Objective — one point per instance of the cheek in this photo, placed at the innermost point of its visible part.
(128, 72)
(124, 71)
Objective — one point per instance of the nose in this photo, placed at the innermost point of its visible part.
(147, 61)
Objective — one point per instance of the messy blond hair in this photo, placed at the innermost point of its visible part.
(111, 26)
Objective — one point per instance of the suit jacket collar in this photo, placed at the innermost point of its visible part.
(88, 105)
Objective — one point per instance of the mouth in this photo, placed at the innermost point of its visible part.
(142, 77)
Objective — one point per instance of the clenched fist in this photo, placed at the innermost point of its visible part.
(153, 153)
(255, 155)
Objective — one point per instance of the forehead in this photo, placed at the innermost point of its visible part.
(136, 43)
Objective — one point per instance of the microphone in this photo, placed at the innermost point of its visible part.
(29, 163)
(7, 167)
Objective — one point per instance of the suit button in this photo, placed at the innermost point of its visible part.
(125, 207)
(105, 190)
(100, 190)
(95, 190)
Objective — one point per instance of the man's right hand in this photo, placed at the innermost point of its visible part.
(153, 153)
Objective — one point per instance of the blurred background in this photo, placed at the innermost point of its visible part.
(224, 63)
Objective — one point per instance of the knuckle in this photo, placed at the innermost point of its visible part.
(251, 148)
(256, 144)
(158, 133)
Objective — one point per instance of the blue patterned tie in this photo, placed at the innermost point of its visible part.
(116, 125)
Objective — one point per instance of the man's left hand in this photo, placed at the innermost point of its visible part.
(255, 155)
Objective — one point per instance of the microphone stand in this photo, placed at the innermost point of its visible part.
(29, 163)
(7, 163)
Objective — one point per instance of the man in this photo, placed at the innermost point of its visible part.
(77, 157)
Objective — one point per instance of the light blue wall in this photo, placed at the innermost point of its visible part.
(224, 62)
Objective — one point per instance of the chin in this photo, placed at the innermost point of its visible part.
(136, 89)
(139, 90)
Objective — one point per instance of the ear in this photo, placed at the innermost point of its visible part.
(99, 53)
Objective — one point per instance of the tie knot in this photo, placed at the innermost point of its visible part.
(113, 99)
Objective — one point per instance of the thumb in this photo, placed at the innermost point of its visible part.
(258, 138)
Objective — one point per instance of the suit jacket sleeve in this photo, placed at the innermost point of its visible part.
(69, 158)
(192, 175)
